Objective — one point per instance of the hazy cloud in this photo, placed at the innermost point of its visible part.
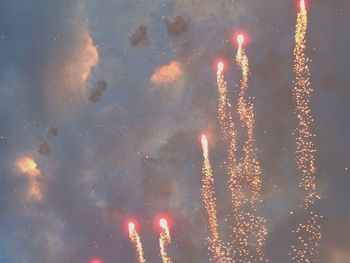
(97, 91)
(176, 27)
(167, 74)
(139, 37)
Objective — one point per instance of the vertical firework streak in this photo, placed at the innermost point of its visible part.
(224, 114)
(308, 234)
(136, 240)
(164, 240)
(216, 248)
(235, 182)
(229, 132)
(249, 230)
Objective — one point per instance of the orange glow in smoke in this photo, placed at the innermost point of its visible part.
(28, 166)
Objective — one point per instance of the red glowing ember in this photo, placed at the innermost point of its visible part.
(131, 225)
(162, 221)
(240, 39)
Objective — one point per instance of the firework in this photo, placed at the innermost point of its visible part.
(224, 114)
(164, 240)
(136, 240)
(249, 230)
(308, 234)
(229, 132)
(216, 247)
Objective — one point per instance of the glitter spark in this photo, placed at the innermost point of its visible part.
(308, 235)
(224, 114)
(136, 240)
(249, 230)
(216, 248)
(164, 240)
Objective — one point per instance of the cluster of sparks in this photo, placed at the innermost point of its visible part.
(245, 174)
(249, 225)
(248, 229)
(136, 240)
(216, 248)
(308, 234)
(164, 241)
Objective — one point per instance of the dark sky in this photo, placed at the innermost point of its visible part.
(109, 97)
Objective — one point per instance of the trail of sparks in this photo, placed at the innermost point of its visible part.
(136, 240)
(235, 183)
(216, 247)
(224, 115)
(228, 130)
(164, 240)
(249, 230)
(308, 234)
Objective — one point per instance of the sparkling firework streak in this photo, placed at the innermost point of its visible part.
(164, 240)
(224, 114)
(216, 247)
(308, 234)
(228, 128)
(249, 230)
(229, 132)
(135, 239)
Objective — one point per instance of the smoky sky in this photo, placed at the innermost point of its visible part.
(132, 149)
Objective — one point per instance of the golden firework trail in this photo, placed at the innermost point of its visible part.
(249, 230)
(235, 183)
(224, 114)
(227, 127)
(164, 240)
(215, 244)
(136, 240)
(308, 234)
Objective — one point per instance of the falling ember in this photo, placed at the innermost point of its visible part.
(164, 240)
(308, 234)
(209, 200)
(224, 113)
(136, 240)
(245, 183)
